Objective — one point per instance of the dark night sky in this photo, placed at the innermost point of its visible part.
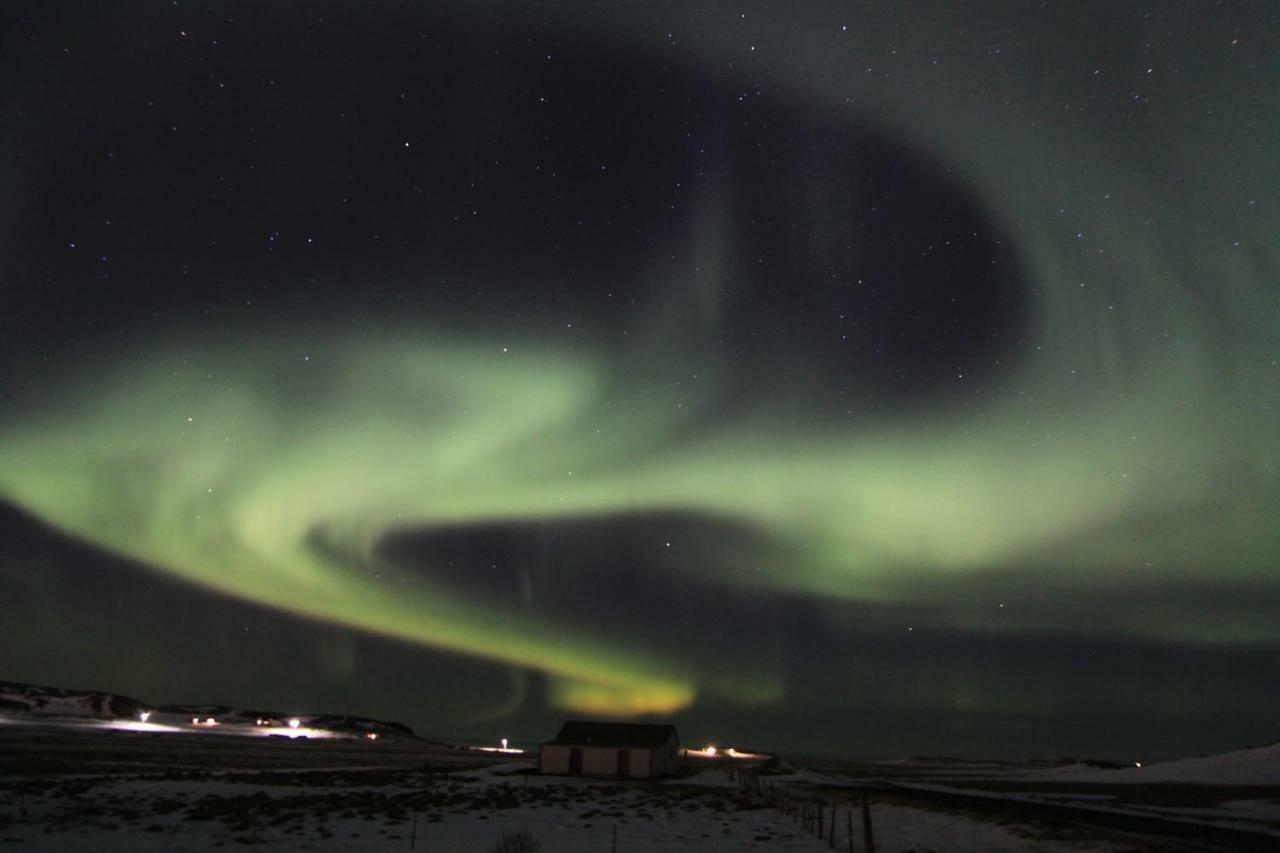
(862, 378)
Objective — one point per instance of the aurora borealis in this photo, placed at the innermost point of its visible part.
(854, 377)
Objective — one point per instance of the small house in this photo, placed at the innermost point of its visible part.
(623, 750)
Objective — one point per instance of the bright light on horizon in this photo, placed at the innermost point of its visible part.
(138, 726)
(712, 751)
(505, 749)
(293, 732)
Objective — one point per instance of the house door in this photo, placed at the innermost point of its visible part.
(575, 762)
(624, 762)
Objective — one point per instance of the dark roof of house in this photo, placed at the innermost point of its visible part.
(629, 735)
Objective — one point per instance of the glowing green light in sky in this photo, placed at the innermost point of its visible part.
(1135, 442)
(224, 462)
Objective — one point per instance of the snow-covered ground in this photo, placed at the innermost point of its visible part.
(455, 811)
(1237, 790)
(80, 785)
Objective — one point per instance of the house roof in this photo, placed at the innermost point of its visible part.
(629, 735)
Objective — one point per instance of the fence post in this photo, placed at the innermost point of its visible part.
(868, 840)
(850, 828)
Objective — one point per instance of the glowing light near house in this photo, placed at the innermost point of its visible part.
(745, 756)
(712, 751)
(294, 723)
(144, 716)
(504, 748)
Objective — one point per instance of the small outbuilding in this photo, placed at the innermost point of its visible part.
(623, 750)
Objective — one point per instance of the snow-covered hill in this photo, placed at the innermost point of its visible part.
(33, 702)
(1254, 766)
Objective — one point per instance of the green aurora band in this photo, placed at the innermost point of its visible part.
(1134, 444)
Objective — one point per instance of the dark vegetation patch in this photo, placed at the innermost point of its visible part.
(1161, 794)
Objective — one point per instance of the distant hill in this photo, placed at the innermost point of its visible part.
(1258, 765)
(33, 701)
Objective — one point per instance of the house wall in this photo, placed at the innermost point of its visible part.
(665, 759)
(599, 761)
(603, 760)
(641, 763)
(553, 758)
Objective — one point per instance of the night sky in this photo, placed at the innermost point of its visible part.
(867, 378)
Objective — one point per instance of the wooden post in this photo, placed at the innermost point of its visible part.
(851, 828)
(614, 847)
(868, 840)
(820, 832)
(413, 833)
(831, 829)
